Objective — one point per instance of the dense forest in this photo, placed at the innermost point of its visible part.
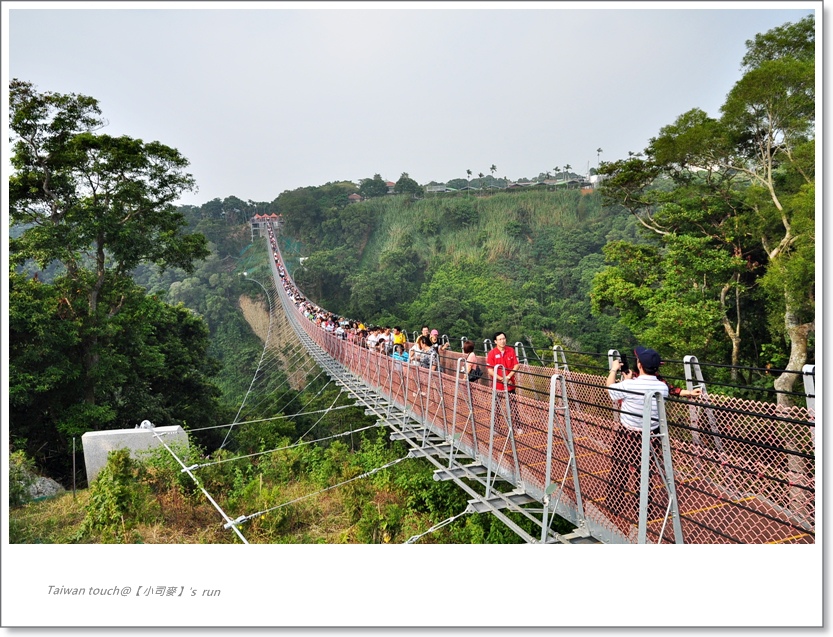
(124, 306)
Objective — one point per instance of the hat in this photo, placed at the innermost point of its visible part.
(434, 333)
(648, 357)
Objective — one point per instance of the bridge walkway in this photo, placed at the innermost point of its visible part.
(731, 481)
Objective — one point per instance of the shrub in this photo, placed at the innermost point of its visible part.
(21, 478)
(119, 498)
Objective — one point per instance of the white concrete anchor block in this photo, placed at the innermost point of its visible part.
(97, 444)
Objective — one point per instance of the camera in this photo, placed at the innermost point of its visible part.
(625, 368)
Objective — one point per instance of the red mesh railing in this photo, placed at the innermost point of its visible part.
(744, 471)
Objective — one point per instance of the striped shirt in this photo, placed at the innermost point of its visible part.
(632, 394)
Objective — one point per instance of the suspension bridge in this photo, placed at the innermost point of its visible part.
(719, 470)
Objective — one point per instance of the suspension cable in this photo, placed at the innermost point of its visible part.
(201, 488)
(326, 411)
(260, 363)
(292, 446)
(246, 518)
(271, 418)
(439, 525)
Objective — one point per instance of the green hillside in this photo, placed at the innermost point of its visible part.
(522, 262)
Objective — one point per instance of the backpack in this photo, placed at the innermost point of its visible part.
(475, 374)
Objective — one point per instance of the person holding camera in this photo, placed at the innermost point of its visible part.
(629, 394)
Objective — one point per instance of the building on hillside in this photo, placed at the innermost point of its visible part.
(355, 197)
(440, 188)
(571, 182)
(390, 185)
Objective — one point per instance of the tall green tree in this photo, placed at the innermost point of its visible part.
(375, 187)
(99, 206)
(744, 183)
(153, 364)
(406, 185)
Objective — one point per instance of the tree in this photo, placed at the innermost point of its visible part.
(770, 115)
(746, 181)
(153, 364)
(468, 174)
(406, 185)
(96, 204)
(375, 187)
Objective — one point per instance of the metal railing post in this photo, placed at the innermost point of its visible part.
(492, 430)
(520, 345)
(808, 373)
(438, 389)
(511, 433)
(548, 471)
(612, 355)
(645, 470)
(693, 374)
(558, 352)
(668, 477)
(560, 380)
(461, 369)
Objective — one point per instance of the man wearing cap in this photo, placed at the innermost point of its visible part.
(627, 440)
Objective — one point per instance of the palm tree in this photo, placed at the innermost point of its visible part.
(598, 152)
(567, 168)
(480, 183)
(468, 172)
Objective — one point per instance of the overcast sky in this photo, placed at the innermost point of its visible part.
(264, 97)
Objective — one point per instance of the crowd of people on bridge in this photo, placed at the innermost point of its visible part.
(390, 341)
(502, 365)
(426, 350)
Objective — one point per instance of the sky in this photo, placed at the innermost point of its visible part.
(263, 97)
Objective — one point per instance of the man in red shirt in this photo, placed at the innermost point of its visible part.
(505, 356)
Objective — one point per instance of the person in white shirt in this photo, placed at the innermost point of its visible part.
(631, 390)
(626, 454)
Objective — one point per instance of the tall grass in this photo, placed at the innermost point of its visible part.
(424, 225)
